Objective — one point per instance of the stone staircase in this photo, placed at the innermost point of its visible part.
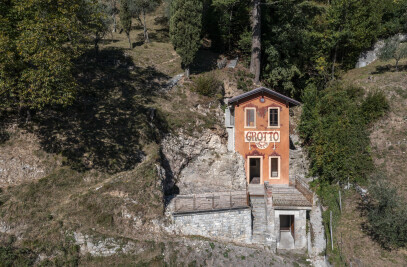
(259, 216)
(259, 219)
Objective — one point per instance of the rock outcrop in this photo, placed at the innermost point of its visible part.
(198, 165)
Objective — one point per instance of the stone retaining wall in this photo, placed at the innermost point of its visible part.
(229, 225)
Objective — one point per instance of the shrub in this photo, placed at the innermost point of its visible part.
(387, 215)
(10, 256)
(336, 135)
(208, 85)
(374, 106)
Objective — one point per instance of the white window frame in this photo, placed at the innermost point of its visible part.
(248, 168)
(279, 166)
(245, 118)
(268, 119)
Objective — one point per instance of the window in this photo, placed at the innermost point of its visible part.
(232, 117)
(274, 167)
(274, 117)
(250, 118)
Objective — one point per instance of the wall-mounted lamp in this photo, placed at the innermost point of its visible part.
(262, 99)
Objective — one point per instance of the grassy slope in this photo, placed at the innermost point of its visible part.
(97, 185)
(388, 141)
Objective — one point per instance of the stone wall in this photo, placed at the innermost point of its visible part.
(300, 222)
(230, 225)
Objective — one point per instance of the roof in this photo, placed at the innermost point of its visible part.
(288, 197)
(266, 91)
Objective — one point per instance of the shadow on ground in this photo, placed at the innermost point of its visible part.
(106, 126)
(204, 61)
(389, 68)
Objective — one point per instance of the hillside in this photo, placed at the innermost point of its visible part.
(85, 185)
(353, 241)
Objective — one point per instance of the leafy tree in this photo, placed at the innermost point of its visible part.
(334, 126)
(143, 7)
(353, 26)
(98, 21)
(291, 43)
(387, 214)
(125, 18)
(185, 29)
(393, 49)
(226, 9)
(39, 40)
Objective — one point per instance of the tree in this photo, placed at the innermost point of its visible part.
(125, 18)
(393, 49)
(98, 21)
(226, 8)
(143, 7)
(185, 29)
(39, 40)
(255, 60)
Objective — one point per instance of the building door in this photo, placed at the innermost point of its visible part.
(287, 224)
(254, 170)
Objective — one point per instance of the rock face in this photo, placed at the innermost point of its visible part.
(368, 57)
(198, 165)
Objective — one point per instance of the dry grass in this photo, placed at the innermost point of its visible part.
(158, 54)
(389, 135)
(388, 142)
(357, 246)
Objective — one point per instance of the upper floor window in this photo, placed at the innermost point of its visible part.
(250, 117)
(274, 163)
(274, 117)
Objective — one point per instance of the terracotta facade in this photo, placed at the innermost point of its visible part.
(261, 142)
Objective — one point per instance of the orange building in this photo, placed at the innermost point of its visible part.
(258, 126)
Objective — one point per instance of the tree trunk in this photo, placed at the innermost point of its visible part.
(114, 23)
(230, 25)
(255, 60)
(397, 65)
(96, 44)
(128, 37)
(146, 39)
(187, 72)
(28, 118)
(334, 62)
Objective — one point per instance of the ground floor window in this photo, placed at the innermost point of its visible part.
(274, 163)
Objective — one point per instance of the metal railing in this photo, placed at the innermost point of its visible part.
(209, 201)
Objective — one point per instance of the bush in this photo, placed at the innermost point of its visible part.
(208, 85)
(374, 106)
(337, 137)
(387, 215)
(10, 256)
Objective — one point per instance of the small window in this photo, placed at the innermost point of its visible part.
(274, 167)
(274, 114)
(232, 117)
(250, 117)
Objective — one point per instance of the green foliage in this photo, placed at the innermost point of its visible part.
(393, 49)
(10, 256)
(387, 214)
(38, 42)
(334, 125)
(208, 85)
(374, 106)
(185, 28)
(226, 20)
(315, 40)
(125, 18)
